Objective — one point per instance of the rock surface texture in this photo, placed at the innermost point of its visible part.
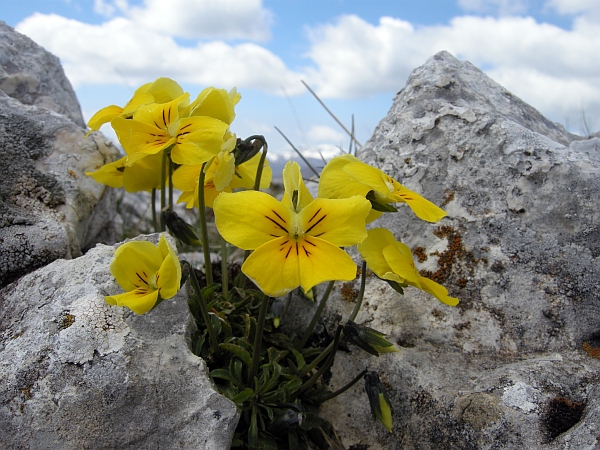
(77, 373)
(49, 208)
(516, 364)
(33, 76)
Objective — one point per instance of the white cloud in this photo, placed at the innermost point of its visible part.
(323, 133)
(503, 7)
(591, 7)
(547, 66)
(552, 68)
(221, 19)
(120, 52)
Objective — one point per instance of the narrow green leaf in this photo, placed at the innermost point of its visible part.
(243, 396)
(239, 352)
(225, 375)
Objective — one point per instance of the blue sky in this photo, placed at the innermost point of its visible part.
(355, 54)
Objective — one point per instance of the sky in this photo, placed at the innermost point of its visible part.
(355, 54)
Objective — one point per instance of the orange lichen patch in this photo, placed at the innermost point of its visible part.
(594, 352)
(448, 198)
(419, 252)
(448, 257)
(349, 293)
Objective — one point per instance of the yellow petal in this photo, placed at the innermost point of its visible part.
(185, 178)
(249, 219)
(224, 170)
(216, 103)
(388, 190)
(135, 263)
(138, 137)
(374, 178)
(292, 182)
(371, 249)
(270, 270)
(143, 175)
(198, 140)
(423, 208)
(283, 264)
(401, 264)
(339, 221)
(335, 182)
(110, 174)
(161, 115)
(103, 116)
(168, 277)
(139, 301)
(438, 291)
(164, 90)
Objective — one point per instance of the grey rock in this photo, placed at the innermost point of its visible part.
(77, 373)
(516, 364)
(34, 76)
(49, 208)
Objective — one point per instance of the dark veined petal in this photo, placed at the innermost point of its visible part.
(140, 301)
(249, 219)
(338, 221)
(283, 264)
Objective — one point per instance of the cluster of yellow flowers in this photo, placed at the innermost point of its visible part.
(158, 118)
(295, 242)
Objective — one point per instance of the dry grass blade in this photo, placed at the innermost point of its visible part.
(332, 115)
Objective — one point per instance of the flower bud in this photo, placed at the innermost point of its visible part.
(180, 228)
(379, 400)
(370, 340)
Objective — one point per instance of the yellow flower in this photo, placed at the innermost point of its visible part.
(216, 103)
(156, 127)
(162, 90)
(392, 260)
(144, 175)
(221, 176)
(297, 241)
(148, 273)
(346, 175)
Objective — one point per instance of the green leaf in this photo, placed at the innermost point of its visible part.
(253, 430)
(300, 361)
(239, 352)
(396, 286)
(235, 368)
(242, 396)
(266, 442)
(273, 380)
(225, 375)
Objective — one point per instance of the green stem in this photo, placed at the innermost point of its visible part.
(257, 347)
(170, 183)
(203, 309)
(203, 227)
(154, 218)
(361, 294)
(343, 389)
(313, 379)
(309, 368)
(224, 269)
(316, 317)
(163, 184)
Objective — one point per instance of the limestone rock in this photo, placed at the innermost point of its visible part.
(34, 76)
(77, 373)
(516, 364)
(49, 208)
